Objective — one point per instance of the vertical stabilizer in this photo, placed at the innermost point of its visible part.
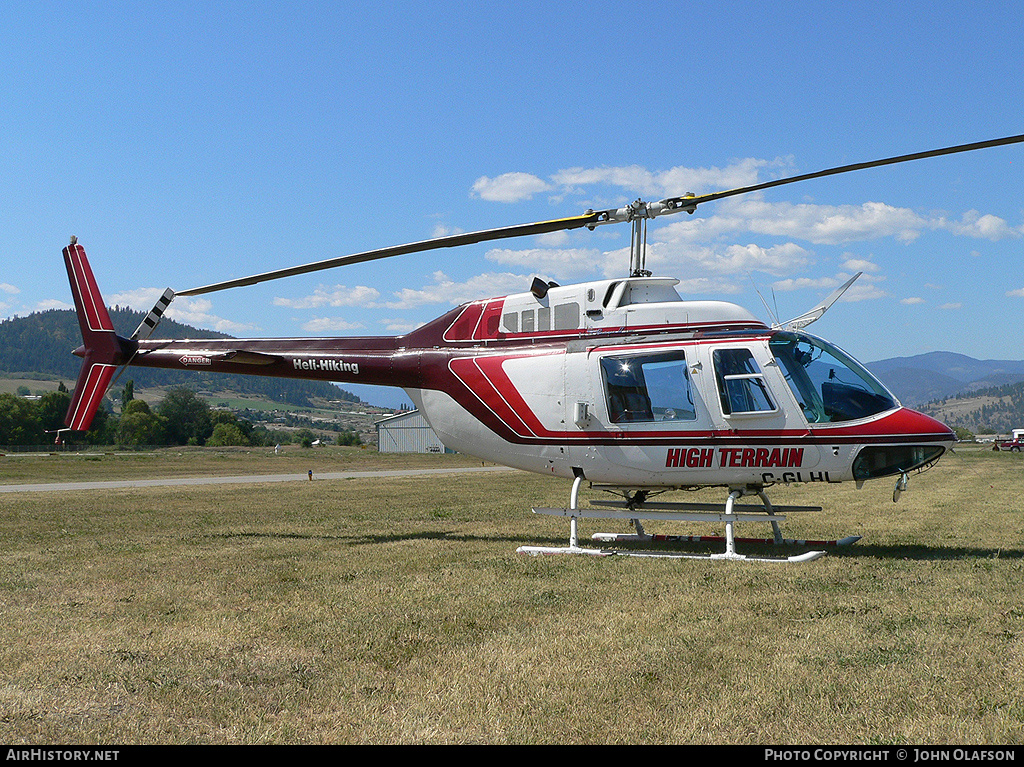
(101, 345)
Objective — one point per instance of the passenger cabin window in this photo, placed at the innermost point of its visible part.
(829, 384)
(528, 316)
(544, 318)
(648, 387)
(567, 316)
(741, 386)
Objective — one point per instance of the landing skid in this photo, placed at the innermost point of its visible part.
(701, 512)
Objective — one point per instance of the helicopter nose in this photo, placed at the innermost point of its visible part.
(913, 440)
(925, 426)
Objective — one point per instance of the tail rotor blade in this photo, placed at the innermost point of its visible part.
(148, 325)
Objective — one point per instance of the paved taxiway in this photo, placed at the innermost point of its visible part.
(238, 480)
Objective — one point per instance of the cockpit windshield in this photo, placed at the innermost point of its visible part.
(829, 384)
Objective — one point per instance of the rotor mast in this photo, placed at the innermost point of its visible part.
(638, 242)
(637, 213)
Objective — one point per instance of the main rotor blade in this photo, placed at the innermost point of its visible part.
(690, 202)
(589, 219)
(450, 241)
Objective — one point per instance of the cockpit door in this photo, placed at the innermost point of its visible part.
(746, 391)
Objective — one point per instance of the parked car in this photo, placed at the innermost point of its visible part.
(1014, 445)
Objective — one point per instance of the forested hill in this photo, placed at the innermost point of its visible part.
(996, 410)
(43, 343)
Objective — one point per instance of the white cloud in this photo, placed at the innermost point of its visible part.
(552, 239)
(440, 230)
(864, 291)
(736, 260)
(707, 285)
(191, 311)
(196, 312)
(988, 227)
(805, 283)
(667, 183)
(516, 186)
(6, 287)
(825, 224)
(819, 224)
(448, 292)
(52, 303)
(509, 187)
(140, 299)
(330, 325)
(912, 300)
(560, 263)
(952, 306)
(398, 326)
(339, 295)
(778, 259)
(860, 265)
(1018, 293)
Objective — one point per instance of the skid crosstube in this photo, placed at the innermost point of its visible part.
(728, 514)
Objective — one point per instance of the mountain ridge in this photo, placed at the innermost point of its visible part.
(922, 378)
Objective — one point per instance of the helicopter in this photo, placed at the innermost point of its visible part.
(618, 383)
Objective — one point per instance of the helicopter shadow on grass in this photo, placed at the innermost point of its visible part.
(860, 550)
(923, 553)
(370, 539)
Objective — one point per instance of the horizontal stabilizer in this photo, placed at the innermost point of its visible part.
(93, 380)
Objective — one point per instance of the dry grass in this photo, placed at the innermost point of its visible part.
(397, 611)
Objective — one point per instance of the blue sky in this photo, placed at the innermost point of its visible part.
(186, 143)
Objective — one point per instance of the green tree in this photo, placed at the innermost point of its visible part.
(188, 417)
(305, 437)
(102, 431)
(349, 437)
(245, 426)
(52, 408)
(19, 421)
(226, 434)
(138, 425)
(963, 434)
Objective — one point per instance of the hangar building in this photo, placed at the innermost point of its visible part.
(407, 433)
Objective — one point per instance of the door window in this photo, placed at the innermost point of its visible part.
(741, 385)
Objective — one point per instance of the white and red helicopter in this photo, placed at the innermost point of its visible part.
(619, 383)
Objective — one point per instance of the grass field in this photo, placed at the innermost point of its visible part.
(397, 611)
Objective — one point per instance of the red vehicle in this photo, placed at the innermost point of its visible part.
(1014, 445)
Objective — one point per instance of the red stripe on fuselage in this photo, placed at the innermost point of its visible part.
(486, 380)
